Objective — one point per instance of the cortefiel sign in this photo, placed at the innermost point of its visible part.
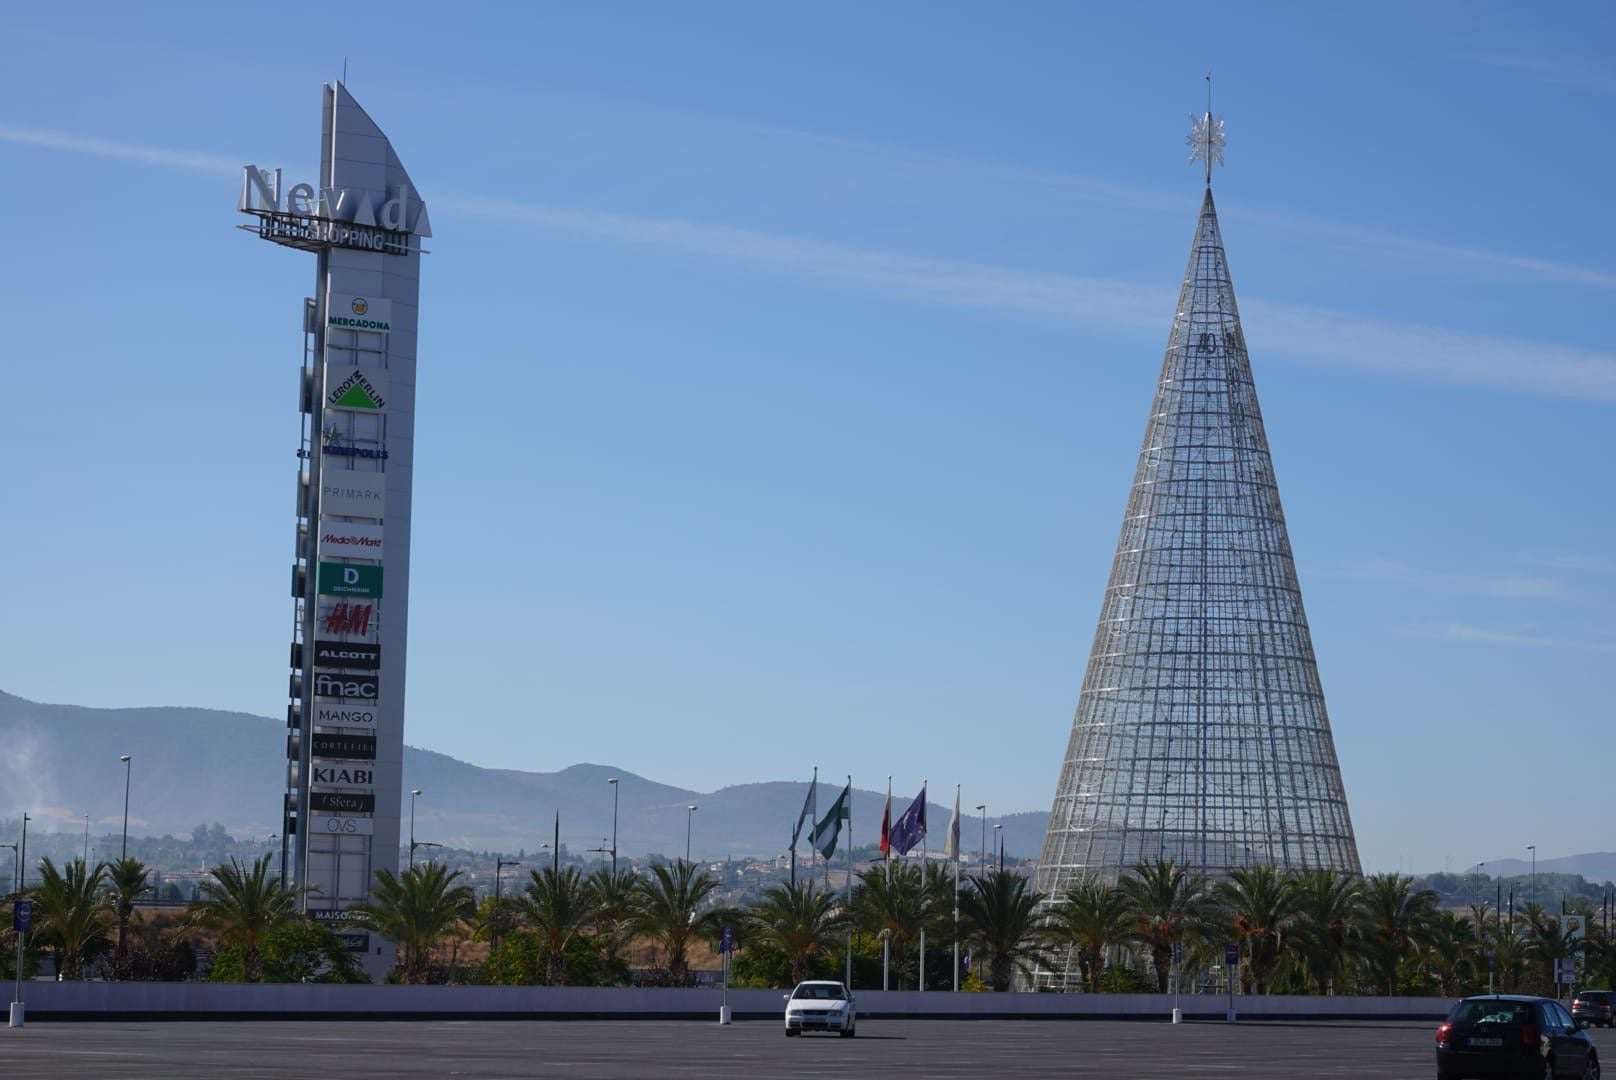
(347, 686)
(350, 540)
(359, 313)
(345, 714)
(353, 655)
(326, 744)
(362, 389)
(341, 579)
(341, 802)
(347, 493)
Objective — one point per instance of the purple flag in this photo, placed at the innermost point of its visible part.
(910, 828)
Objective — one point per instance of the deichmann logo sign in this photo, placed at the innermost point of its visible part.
(358, 388)
(359, 313)
(348, 618)
(345, 493)
(343, 747)
(334, 217)
(332, 802)
(333, 684)
(346, 714)
(342, 776)
(339, 579)
(350, 540)
(354, 655)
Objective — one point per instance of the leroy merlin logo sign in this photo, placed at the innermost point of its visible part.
(340, 579)
(363, 389)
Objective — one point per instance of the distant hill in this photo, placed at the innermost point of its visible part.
(200, 766)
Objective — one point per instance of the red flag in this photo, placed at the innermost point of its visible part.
(886, 828)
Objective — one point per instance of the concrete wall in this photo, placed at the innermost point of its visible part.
(238, 1001)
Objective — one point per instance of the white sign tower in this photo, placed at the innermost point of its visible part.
(364, 223)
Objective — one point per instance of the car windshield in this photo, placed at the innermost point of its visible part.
(1493, 1012)
(1593, 998)
(832, 992)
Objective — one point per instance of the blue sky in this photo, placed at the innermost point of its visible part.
(782, 373)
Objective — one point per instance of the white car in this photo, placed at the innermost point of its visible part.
(820, 1006)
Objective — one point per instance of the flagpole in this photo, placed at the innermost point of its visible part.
(925, 861)
(953, 838)
(847, 893)
(886, 863)
(813, 823)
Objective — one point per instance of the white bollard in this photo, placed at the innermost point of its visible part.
(17, 1011)
(1178, 1016)
(723, 1014)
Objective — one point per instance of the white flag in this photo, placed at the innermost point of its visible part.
(951, 845)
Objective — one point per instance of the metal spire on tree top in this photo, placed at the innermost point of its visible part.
(1206, 135)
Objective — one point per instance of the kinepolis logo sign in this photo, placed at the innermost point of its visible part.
(299, 216)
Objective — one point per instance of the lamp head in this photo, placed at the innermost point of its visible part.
(415, 791)
(124, 758)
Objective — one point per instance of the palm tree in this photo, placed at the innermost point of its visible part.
(1450, 952)
(998, 916)
(557, 905)
(1258, 902)
(1397, 922)
(667, 910)
(801, 920)
(243, 904)
(611, 926)
(416, 910)
(68, 913)
(1328, 917)
(895, 904)
(1165, 900)
(127, 879)
(1092, 918)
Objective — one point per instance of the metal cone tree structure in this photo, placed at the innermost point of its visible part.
(1201, 734)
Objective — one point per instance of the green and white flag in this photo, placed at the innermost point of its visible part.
(830, 826)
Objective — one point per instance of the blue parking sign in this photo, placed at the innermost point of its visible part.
(22, 914)
(1231, 954)
(726, 943)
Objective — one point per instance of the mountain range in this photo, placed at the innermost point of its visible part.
(202, 766)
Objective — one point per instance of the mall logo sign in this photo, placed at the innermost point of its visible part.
(299, 216)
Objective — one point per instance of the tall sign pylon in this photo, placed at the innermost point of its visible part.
(1201, 734)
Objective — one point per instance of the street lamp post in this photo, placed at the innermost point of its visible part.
(612, 780)
(690, 813)
(983, 854)
(1533, 849)
(499, 915)
(22, 856)
(998, 841)
(415, 793)
(127, 769)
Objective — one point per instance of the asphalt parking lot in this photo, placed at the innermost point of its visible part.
(629, 1050)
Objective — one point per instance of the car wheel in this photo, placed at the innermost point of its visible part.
(789, 1033)
(1548, 1069)
(847, 1032)
(1590, 1071)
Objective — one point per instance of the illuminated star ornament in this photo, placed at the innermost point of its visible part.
(1206, 140)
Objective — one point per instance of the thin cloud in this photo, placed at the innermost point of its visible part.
(1405, 576)
(1401, 350)
(1463, 632)
(1570, 73)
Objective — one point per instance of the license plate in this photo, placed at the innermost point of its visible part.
(1486, 1042)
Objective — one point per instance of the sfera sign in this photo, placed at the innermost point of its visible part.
(342, 802)
(302, 216)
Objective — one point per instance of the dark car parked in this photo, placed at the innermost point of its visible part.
(1509, 1035)
(1594, 1007)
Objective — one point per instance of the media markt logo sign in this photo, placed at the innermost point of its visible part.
(339, 579)
(359, 313)
(356, 388)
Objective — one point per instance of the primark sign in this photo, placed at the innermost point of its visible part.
(302, 216)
